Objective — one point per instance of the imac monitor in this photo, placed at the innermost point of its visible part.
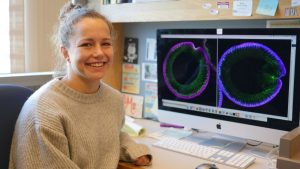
(238, 82)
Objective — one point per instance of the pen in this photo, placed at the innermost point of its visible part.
(171, 125)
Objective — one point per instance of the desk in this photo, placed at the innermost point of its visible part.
(164, 159)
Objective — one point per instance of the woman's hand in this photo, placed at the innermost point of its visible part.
(143, 160)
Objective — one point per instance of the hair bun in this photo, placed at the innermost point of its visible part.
(68, 7)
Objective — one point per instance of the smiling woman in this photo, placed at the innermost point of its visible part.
(78, 116)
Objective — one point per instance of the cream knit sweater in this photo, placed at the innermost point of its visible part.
(60, 128)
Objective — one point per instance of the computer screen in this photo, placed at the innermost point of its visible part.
(239, 82)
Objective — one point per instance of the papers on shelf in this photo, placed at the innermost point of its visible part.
(267, 7)
(242, 8)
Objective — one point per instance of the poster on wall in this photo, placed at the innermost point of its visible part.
(295, 3)
(150, 101)
(149, 72)
(151, 49)
(133, 105)
(130, 50)
(242, 8)
(267, 7)
(131, 78)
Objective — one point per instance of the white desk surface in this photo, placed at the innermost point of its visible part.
(164, 159)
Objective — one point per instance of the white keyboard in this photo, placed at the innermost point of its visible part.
(222, 156)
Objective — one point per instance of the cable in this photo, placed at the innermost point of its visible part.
(272, 157)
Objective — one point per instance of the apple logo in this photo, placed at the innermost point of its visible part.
(219, 126)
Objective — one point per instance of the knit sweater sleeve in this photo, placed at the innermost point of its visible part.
(40, 145)
(130, 150)
(48, 149)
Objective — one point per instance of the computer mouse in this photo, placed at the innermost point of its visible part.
(207, 166)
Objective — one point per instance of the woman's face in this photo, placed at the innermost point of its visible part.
(90, 53)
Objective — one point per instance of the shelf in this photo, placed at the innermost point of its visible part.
(170, 10)
(181, 10)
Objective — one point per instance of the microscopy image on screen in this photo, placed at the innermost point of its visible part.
(188, 70)
(190, 79)
(248, 74)
(252, 75)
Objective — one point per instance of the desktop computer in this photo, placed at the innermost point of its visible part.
(241, 83)
(238, 82)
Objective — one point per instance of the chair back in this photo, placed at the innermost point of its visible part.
(12, 98)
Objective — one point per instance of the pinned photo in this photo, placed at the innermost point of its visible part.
(131, 51)
(149, 72)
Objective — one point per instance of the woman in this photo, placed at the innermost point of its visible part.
(75, 121)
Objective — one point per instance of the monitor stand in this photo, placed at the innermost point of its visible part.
(227, 143)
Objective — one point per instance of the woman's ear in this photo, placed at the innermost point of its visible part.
(65, 53)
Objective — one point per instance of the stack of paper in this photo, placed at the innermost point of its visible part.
(132, 128)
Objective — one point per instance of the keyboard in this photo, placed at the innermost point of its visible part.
(222, 156)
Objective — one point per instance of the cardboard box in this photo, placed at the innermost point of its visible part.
(289, 150)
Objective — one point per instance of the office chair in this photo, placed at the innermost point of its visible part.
(12, 98)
